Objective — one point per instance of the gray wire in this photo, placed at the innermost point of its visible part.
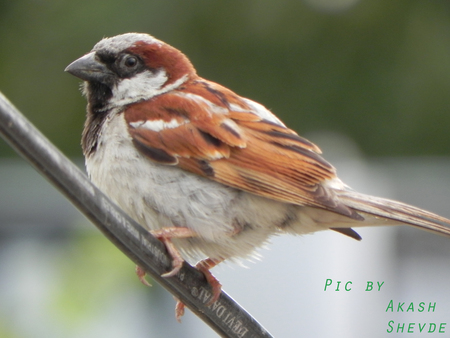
(225, 316)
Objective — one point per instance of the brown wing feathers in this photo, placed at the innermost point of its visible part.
(233, 146)
(201, 131)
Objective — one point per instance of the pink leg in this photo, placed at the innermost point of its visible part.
(165, 235)
(204, 266)
(141, 275)
(179, 310)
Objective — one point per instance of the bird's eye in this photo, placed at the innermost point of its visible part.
(130, 61)
(127, 65)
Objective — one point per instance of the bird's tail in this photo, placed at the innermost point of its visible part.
(395, 211)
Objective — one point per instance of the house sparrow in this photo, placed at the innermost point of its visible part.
(210, 173)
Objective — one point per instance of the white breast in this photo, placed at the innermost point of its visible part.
(231, 223)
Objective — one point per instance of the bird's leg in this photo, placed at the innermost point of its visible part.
(165, 235)
(141, 275)
(204, 266)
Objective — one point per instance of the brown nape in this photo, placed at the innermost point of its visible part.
(174, 62)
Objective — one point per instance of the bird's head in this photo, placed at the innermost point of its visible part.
(129, 68)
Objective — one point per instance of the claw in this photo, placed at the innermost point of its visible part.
(179, 310)
(204, 266)
(141, 275)
(177, 260)
(165, 235)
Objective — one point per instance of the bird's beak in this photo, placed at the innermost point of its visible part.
(88, 68)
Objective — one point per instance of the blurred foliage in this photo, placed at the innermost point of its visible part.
(97, 270)
(6, 331)
(76, 286)
(377, 71)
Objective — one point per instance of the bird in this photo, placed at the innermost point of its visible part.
(210, 173)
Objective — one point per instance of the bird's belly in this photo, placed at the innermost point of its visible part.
(230, 223)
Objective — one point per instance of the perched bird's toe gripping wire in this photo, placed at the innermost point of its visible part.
(165, 235)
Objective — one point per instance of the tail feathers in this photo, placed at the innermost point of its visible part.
(395, 211)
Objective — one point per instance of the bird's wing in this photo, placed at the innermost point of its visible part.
(210, 131)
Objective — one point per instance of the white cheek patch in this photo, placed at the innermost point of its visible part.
(142, 86)
(158, 125)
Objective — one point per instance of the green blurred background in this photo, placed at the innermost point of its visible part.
(376, 71)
